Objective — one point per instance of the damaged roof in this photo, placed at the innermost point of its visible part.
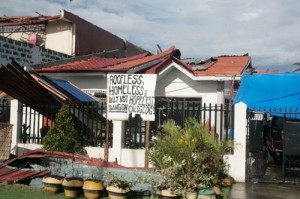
(22, 168)
(25, 20)
(217, 66)
(88, 39)
(154, 64)
(96, 64)
(19, 84)
(33, 89)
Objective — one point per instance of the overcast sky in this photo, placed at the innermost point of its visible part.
(269, 30)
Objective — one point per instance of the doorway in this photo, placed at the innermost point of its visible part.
(272, 151)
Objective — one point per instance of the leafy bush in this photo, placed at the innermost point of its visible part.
(62, 136)
(188, 157)
(118, 181)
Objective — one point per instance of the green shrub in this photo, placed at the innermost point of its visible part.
(189, 158)
(62, 136)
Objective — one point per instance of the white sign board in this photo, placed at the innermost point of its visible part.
(131, 93)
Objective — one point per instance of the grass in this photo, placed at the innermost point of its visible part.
(13, 191)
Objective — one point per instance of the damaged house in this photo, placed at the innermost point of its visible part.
(201, 88)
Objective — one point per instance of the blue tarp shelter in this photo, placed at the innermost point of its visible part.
(276, 92)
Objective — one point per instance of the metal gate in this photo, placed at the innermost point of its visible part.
(272, 150)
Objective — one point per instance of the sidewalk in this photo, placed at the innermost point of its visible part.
(264, 191)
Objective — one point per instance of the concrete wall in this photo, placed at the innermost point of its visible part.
(25, 54)
(237, 161)
(60, 37)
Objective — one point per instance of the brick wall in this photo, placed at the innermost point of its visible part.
(26, 54)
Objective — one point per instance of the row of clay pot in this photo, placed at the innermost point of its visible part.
(73, 186)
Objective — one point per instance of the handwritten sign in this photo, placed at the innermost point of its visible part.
(131, 93)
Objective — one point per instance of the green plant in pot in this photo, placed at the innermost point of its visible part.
(53, 181)
(189, 157)
(117, 186)
(166, 187)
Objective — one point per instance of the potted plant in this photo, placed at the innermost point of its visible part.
(52, 184)
(93, 186)
(117, 186)
(73, 181)
(53, 181)
(189, 157)
(72, 187)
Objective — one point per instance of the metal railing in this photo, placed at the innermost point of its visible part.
(218, 119)
(89, 121)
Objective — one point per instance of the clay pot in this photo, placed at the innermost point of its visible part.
(167, 194)
(191, 195)
(117, 193)
(52, 184)
(92, 188)
(72, 187)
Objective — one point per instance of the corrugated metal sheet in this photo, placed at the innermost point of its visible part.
(21, 21)
(90, 38)
(39, 90)
(16, 82)
(195, 61)
(13, 170)
(12, 175)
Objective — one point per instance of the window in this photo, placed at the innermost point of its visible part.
(165, 108)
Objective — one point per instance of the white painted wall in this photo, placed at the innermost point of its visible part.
(237, 161)
(14, 118)
(133, 158)
(24, 148)
(83, 81)
(59, 37)
(177, 84)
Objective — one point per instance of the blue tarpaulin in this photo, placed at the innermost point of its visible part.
(280, 92)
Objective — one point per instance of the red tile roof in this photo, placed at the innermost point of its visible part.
(220, 66)
(98, 64)
(91, 64)
(229, 65)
